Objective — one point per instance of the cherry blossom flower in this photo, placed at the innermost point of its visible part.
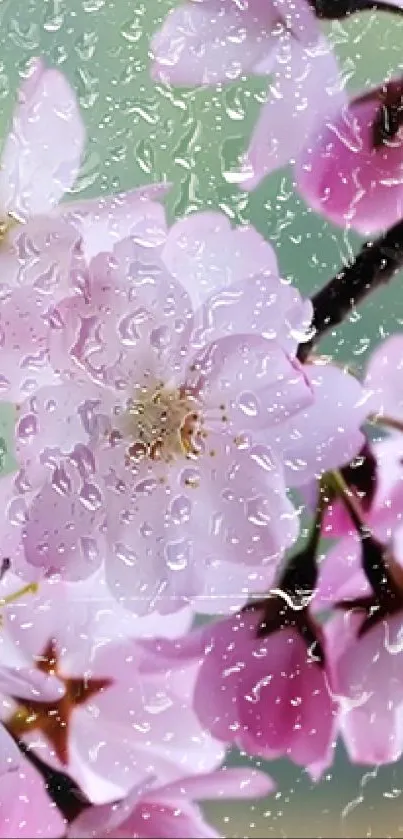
(263, 683)
(168, 811)
(351, 171)
(220, 40)
(364, 638)
(111, 725)
(162, 448)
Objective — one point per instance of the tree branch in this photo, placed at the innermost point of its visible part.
(336, 9)
(375, 265)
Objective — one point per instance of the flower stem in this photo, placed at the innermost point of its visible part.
(301, 572)
(385, 421)
(349, 499)
(375, 265)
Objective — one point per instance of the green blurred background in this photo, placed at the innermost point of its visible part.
(139, 132)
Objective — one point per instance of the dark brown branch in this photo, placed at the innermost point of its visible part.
(336, 9)
(374, 266)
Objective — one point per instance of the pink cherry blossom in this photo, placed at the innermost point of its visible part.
(364, 643)
(219, 40)
(115, 722)
(366, 668)
(351, 171)
(169, 812)
(162, 448)
(26, 810)
(341, 577)
(266, 693)
(134, 347)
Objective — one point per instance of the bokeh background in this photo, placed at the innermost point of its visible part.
(139, 132)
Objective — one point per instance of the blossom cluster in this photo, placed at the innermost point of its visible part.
(172, 423)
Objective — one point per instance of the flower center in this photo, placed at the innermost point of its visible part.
(161, 422)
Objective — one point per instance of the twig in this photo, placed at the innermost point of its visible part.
(375, 265)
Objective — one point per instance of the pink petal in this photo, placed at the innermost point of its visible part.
(327, 434)
(228, 505)
(10, 757)
(137, 712)
(306, 90)
(247, 383)
(26, 810)
(367, 672)
(346, 178)
(205, 254)
(29, 683)
(341, 577)
(227, 782)
(23, 340)
(384, 378)
(261, 305)
(208, 42)
(42, 254)
(145, 821)
(102, 222)
(61, 531)
(42, 154)
(226, 586)
(133, 328)
(263, 694)
(56, 422)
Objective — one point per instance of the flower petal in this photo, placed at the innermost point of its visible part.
(348, 178)
(263, 305)
(384, 378)
(169, 526)
(246, 382)
(102, 222)
(306, 90)
(207, 255)
(42, 154)
(26, 809)
(327, 434)
(210, 41)
(132, 329)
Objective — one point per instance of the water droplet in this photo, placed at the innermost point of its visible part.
(180, 509)
(177, 554)
(60, 481)
(160, 337)
(125, 554)
(91, 497)
(127, 330)
(16, 512)
(248, 404)
(27, 427)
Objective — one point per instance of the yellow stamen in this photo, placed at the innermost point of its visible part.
(31, 588)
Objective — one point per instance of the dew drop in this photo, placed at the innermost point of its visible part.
(177, 554)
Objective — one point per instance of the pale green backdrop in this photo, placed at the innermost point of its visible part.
(139, 132)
